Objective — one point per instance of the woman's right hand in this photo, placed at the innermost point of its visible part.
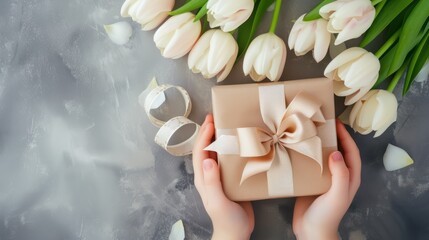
(319, 217)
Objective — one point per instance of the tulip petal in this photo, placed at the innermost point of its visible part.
(177, 35)
(330, 8)
(354, 112)
(126, 6)
(263, 61)
(150, 14)
(344, 57)
(387, 109)
(227, 69)
(278, 62)
(251, 54)
(147, 26)
(293, 35)
(345, 115)
(119, 32)
(177, 231)
(255, 76)
(306, 39)
(354, 97)
(396, 158)
(341, 90)
(228, 15)
(369, 108)
(323, 39)
(200, 48)
(356, 77)
(355, 28)
(222, 47)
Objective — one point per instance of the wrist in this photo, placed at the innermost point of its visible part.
(225, 235)
(317, 232)
(318, 235)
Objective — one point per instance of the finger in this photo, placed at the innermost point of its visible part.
(301, 206)
(247, 206)
(352, 157)
(346, 141)
(213, 191)
(340, 178)
(203, 140)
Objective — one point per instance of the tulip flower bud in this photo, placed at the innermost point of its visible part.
(228, 14)
(375, 111)
(213, 55)
(307, 36)
(349, 18)
(150, 14)
(177, 35)
(354, 72)
(265, 57)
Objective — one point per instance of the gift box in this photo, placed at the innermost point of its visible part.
(273, 139)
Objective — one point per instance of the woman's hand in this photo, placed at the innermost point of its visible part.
(230, 220)
(319, 217)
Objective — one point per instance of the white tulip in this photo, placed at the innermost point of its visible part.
(228, 14)
(376, 111)
(307, 36)
(349, 18)
(213, 55)
(149, 13)
(177, 35)
(265, 57)
(119, 32)
(354, 72)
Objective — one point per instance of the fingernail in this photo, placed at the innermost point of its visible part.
(337, 156)
(207, 165)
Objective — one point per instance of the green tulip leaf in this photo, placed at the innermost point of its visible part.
(418, 60)
(410, 32)
(201, 13)
(390, 11)
(387, 59)
(379, 7)
(248, 29)
(314, 14)
(189, 6)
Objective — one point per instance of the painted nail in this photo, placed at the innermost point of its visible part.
(337, 156)
(207, 165)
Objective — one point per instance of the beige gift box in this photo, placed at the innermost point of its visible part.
(273, 139)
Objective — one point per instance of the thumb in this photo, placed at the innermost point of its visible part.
(340, 176)
(212, 186)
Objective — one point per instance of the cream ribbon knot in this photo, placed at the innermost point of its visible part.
(266, 149)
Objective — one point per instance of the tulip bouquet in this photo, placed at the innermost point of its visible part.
(215, 33)
(356, 71)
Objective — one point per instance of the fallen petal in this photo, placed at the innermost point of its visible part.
(119, 32)
(396, 158)
(177, 231)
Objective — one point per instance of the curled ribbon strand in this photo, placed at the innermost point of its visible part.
(287, 128)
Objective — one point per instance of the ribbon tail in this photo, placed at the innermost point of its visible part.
(311, 148)
(256, 165)
(280, 176)
(225, 145)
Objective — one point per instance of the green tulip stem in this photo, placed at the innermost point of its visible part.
(375, 2)
(276, 16)
(388, 44)
(397, 76)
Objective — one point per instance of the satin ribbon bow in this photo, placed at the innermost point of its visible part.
(266, 150)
